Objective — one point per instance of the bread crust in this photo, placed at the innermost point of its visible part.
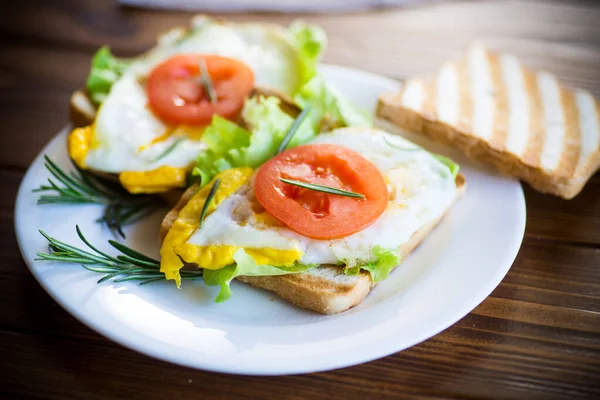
(82, 110)
(324, 289)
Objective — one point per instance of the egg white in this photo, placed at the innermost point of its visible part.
(124, 123)
(420, 187)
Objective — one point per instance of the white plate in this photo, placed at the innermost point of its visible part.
(460, 264)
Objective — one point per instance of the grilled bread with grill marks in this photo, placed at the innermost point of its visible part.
(493, 109)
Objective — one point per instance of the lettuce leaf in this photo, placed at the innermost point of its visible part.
(105, 71)
(329, 106)
(325, 101)
(230, 146)
(269, 126)
(244, 265)
(384, 261)
(310, 42)
(225, 142)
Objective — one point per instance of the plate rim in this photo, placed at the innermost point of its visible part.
(124, 341)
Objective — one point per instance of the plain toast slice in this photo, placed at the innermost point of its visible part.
(523, 122)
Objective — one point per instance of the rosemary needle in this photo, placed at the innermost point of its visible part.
(128, 266)
(211, 194)
(207, 81)
(169, 149)
(81, 187)
(322, 188)
(293, 129)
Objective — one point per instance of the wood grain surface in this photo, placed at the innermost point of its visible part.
(536, 337)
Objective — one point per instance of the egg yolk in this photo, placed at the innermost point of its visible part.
(188, 219)
(219, 256)
(266, 219)
(158, 180)
(79, 143)
(166, 134)
(191, 132)
(175, 247)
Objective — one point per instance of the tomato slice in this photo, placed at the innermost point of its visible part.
(315, 214)
(176, 94)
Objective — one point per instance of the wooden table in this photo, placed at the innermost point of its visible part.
(536, 336)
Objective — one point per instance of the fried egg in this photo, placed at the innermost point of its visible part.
(266, 48)
(420, 188)
(126, 137)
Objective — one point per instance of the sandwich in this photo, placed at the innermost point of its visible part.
(525, 123)
(141, 121)
(319, 224)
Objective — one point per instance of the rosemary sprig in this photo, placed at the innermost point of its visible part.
(209, 198)
(207, 81)
(81, 187)
(293, 129)
(130, 265)
(169, 149)
(322, 188)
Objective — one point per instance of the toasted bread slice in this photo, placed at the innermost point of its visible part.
(325, 289)
(525, 123)
(82, 110)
